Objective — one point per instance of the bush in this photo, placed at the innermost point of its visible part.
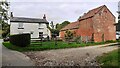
(78, 40)
(20, 39)
(110, 41)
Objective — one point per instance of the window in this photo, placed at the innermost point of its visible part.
(41, 26)
(20, 26)
(40, 34)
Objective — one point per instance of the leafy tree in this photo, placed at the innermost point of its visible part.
(62, 25)
(4, 18)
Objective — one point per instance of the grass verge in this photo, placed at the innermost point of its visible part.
(36, 46)
(110, 59)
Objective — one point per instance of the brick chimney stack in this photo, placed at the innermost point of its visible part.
(44, 17)
(11, 14)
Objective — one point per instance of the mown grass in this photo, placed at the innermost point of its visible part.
(111, 59)
(36, 46)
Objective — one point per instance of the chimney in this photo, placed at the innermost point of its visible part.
(44, 17)
(11, 14)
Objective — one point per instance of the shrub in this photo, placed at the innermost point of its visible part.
(20, 39)
(110, 41)
(78, 40)
(68, 36)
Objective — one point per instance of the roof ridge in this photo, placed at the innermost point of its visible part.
(26, 17)
(91, 12)
(97, 7)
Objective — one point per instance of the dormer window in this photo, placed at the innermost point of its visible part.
(20, 26)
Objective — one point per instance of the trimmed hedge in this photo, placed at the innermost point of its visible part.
(20, 39)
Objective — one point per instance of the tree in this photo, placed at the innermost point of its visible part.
(62, 25)
(4, 18)
(52, 25)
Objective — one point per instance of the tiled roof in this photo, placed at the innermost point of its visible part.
(27, 20)
(72, 25)
(85, 16)
(91, 12)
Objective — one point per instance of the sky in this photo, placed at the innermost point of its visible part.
(58, 10)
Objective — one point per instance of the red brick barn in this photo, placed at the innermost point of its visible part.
(97, 23)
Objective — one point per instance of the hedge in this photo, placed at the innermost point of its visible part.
(20, 39)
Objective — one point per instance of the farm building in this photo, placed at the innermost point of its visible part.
(97, 24)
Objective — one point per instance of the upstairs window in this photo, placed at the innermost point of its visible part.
(20, 26)
(41, 26)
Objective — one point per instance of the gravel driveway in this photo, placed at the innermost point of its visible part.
(82, 56)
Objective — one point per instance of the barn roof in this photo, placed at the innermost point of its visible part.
(73, 25)
(28, 20)
(91, 13)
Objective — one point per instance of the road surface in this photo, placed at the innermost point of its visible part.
(14, 58)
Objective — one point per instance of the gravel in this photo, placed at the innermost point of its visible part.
(82, 56)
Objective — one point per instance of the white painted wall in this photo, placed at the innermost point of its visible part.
(30, 27)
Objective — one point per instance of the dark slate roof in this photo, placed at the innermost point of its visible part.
(28, 20)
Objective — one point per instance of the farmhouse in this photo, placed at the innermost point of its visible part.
(97, 24)
(36, 27)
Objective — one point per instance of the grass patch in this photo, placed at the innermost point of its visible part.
(36, 46)
(110, 59)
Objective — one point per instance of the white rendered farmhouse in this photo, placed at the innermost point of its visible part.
(34, 26)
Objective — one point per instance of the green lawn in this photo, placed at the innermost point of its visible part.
(36, 46)
(110, 59)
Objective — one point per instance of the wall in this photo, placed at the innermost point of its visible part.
(104, 25)
(30, 27)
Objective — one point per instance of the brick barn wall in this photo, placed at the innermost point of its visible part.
(85, 29)
(61, 34)
(104, 24)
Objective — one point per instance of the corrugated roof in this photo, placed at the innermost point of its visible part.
(28, 20)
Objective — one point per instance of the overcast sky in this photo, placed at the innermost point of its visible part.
(58, 11)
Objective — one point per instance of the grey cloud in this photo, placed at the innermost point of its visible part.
(57, 11)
